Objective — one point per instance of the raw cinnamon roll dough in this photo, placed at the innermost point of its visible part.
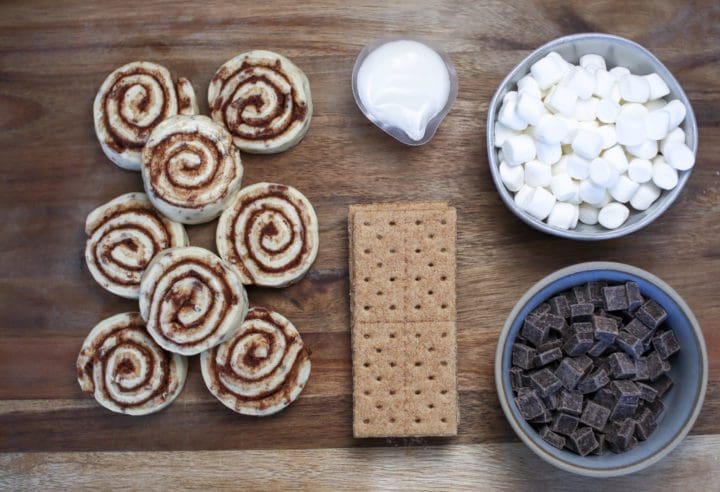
(269, 234)
(261, 369)
(191, 169)
(125, 370)
(263, 99)
(124, 235)
(191, 300)
(131, 102)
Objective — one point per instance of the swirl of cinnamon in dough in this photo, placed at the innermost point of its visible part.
(125, 370)
(263, 99)
(124, 235)
(261, 369)
(191, 300)
(269, 234)
(191, 169)
(131, 102)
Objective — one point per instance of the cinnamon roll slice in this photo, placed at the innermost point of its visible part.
(131, 102)
(125, 370)
(191, 300)
(269, 234)
(191, 169)
(261, 369)
(123, 236)
(263, 99)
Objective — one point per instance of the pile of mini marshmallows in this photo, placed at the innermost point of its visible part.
(579, 143)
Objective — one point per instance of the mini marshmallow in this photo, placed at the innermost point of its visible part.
(548, 153)
(624, 189)
(619, 72)
(509, 117)
(630, 129)
(562, 215)
(679, 156)
(645, 150)
(645, 196)
(587, 125)
(518, 149)
(528, 85)
(561, 100)
(587, 144)
(546, 72)
(658, 87)
(606, 199)
(591, 193)
(655, 104)
(578, 167)
(608, 134)
(616, 156)
(664, 175)
(604, 83)
(551, 129)
(564, 187)
(537, 174)
(615, 93)
(540, 204)
(588, 214)
(530, 108)
(586, 110)
(677, 112)
(560, 167)
(613, 215)
(502, 133)
(640, 170)
(602, 173)
(677, 135)
(522, 197)
(581, 82)
(513, 177)
(657, 124)
(564, 65)
(510, 96)
(572, 126)
(592, 62)
(634, 88)
(634, 109)
(607, 110)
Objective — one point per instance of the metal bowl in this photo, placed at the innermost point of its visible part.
(616, 51)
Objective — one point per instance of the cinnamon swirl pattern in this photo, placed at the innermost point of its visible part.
(125, 370)
(191, 300)
(191, 169)
(261, 369)
(131, 102)
(123, 236)
(263, 99)
(269, 234)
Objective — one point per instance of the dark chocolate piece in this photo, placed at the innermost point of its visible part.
(666, 344)
(581, 312)
(606, 398)
(650, 367)
(569, 372)
(550, 344)
(593, 381)
(620, 433)
(584, 441)
(598, 349)
(595, 416)
(579, 344)
(630, 344)
(657, 407)
(581, 327)
(621, 366)
(651, 314)
(615, 298)
(545, 382)
(551, 401)
(530, 405)
(545, 418)
(564, 423)
(580, 294)
(523, 356)
(594, 292)
(662, 385)
(647, 391)
(552, 438)
(540, 310)
(570, 402)
(645, 424)
(638, 329)
(534, 330)
(516, 378)
(605, 328)
(600, 450)
(546, 357)
(634, 297)
(623, 410)
(560, 305)
(625, 391)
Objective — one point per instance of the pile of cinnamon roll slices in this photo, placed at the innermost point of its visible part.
(192, 301)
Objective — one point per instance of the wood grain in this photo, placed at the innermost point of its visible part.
(53, 58)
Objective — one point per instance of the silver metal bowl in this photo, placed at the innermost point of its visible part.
(616, 51)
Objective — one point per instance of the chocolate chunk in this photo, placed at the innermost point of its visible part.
(530, 405)
(621, 366)
(583, 327)
(600, 450)
(535, 330)
(623, 410)
(570, 402)
(540, 310)
(545, 382)
(580, 295)
(634, 297)
(615, 298)
(550, 344)
(593, 381)
(662, 385)
(564, 423)
(578, 344)
(598, 348)
(584, 441)
(650, 367)
(524, 390)
(594, 292)
(516, 378)
(625, 391)
(666, 344)
(569, 372)
(606, 398)
(546, 357)
(606, 329)
(651, 314)
(647, 391)
(645, 424)
(526, 380)
(523, 356)
(595, 416)
(552, 438)
(638, 329)
(545, 418)
(621, 433)
(560, 305)
(630, 344)
(551, 401)
(657, 407)
(581, 312)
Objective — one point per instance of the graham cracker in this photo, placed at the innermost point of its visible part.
(402, 276)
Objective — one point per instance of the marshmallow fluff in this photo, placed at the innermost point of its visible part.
(404, 84)
(587, 143)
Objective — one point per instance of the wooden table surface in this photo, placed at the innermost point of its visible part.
(54, 56)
